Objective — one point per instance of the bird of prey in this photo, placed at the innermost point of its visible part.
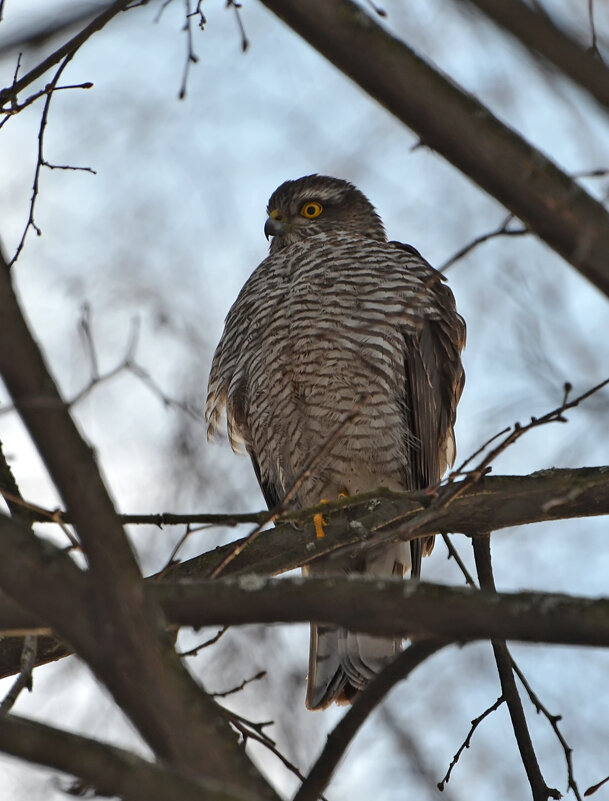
(341, 354)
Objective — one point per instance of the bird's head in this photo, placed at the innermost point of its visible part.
(316, 204)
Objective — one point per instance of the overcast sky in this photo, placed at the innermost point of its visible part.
(167, 231)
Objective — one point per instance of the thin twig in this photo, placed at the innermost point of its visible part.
(467, 742)
(191, 56)
(84, 326)
(40, 162)
(553, 720)
(172, 556)
(237, 6)
(502, 230)
(249, 730)
(260, 675)
(593, 788)
(599, 172)
(24, 679)
(535, 700)
(454, 554)
(32, 513)
(15, 107)
(40, 514)
(67, 49)
(127, 364)
(554, 416)
(212, 640)
(503, 660)
(447, 493)
(594, 45)
(461, 469)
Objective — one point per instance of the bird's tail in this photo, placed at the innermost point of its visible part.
(341, 661)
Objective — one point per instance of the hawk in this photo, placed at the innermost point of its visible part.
(341, 353)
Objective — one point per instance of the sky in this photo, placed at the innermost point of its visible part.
(159, 241)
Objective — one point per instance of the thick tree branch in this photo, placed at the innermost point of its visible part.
(495, 502)
(538, 33)
(460, 128)
(499, 501)
(134, 658)
(42, 579)
(377, 606)
(389, 607)
(110, 771)
(553, 494)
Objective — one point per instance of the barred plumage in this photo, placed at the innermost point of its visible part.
(336, 327)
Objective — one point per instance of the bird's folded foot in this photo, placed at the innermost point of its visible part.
(319, 522)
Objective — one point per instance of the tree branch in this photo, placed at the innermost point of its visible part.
(134, 658)
(538, 33)
(67, 49)
(109, 770)
(509, 691)
(501, 162)
(495, 502)
(339, 739)
(389, 607)
(384, 607)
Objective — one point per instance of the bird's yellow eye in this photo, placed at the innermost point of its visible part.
(311, 209)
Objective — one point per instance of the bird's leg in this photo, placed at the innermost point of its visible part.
(318, 519)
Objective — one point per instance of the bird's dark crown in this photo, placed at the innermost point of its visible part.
(344, 208)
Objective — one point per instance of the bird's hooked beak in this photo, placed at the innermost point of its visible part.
(274, 224)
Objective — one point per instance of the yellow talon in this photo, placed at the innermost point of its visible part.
(319, 523)
(318, 519)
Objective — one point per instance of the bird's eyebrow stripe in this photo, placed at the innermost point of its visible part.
(325, 194)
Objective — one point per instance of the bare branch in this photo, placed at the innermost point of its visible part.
(254, 731)
(24, 679)
(384, 607)
(109, 770)
(538, 33)
(384, 515)
(591, 790)
(143, 664)
(539, 788)
(548, 201)
(66, 50)
(40, 161)
(260, 675)
(339, 739)
(594, 46)
(191, 56)
(502, 230)
(553, 720)
(467, 742)
(211, 641)
(454, 554)
(237, 8)
(381, 607)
